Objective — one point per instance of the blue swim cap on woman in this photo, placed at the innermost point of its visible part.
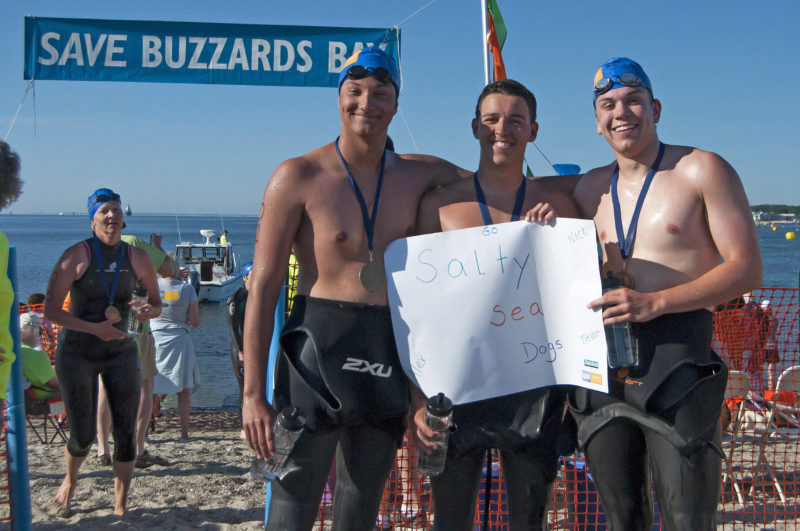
(100, 196)
(246, 269)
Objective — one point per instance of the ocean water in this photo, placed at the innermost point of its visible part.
(40, 240)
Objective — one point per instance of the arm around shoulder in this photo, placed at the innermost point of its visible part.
(428, 221)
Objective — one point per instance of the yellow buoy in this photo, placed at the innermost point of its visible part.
(790, 235)
(774, 228)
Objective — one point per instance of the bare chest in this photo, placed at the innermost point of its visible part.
(335, 221)
(667, 219)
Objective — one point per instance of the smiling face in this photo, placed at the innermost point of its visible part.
(367, 106)
(504, 129)
(107, 221)
(627, 118)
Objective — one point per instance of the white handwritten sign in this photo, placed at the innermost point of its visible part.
(495, 310)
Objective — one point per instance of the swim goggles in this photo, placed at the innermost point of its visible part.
(379, 73)
(105, 198)
(628, 79)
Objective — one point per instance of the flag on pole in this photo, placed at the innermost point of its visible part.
(496, 38)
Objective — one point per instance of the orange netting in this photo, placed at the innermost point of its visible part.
(761, 438)
(761, 434)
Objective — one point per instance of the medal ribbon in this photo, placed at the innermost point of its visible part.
(487, 217)
(626, 241)
(113, 290)
(369, 221)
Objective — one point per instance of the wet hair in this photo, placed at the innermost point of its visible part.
(511, 88)
(35, 298)
(10, 183)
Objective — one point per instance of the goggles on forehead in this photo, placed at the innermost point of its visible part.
(379, 73)
(104, 198)
(628, 79)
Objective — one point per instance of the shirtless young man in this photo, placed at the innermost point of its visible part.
(695, 246)
(340, 319)
(524, 426)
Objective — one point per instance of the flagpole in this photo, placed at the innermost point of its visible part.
(484, 33)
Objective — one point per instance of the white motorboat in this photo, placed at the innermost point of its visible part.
(213, 267)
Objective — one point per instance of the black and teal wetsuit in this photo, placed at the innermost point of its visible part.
(81, 357)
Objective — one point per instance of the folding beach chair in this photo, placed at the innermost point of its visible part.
(51, 411)
(783, 418)
(735, 396)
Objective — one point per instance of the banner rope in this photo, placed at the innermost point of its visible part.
(415, 13)
(13, 120)
(410, 134)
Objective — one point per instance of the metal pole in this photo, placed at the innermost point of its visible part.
(16, 439)
(484, 32)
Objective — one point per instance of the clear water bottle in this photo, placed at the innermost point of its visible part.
(621, 352)
(439, 418)
(287, 429)
(138, 299)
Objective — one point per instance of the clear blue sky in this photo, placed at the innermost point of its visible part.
(726, 72)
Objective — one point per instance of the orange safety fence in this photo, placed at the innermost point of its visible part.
(760, 438)
(760, 435)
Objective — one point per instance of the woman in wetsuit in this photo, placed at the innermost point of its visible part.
(100, 274)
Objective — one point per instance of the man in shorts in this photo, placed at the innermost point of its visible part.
(338, 207)
(524, 426)
(675, 226)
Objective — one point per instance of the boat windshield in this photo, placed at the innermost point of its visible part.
(200, 253)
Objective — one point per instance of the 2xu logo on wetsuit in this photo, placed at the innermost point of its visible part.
(376, 369)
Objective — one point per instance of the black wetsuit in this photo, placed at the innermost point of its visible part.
(338, 364)
(236, 305)
(664, 416)
(81, 357)
(524, 427)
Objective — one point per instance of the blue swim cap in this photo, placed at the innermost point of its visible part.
(100, 196)
(619, 72)
(371, 58)
(246, 269)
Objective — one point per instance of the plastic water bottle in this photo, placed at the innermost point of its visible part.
(287, 429)
(618, 336)
(438, 417)
(138, 299)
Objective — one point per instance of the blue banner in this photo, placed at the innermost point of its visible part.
(194, 52)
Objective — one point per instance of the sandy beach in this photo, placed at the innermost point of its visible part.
(206, 486)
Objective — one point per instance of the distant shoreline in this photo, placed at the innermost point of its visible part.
(138, 214)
